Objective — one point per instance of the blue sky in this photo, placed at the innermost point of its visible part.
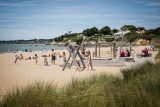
(46, 19)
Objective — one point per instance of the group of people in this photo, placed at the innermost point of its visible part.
(145, 52)
(53, 58)
(126, 54)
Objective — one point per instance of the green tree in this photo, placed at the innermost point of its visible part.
(109, 39)
(150, 31)
(131, 37)
(90, 32)
(87, 32)
(148, 37)
(105, 30)
(115, 30)
(157, 31)
(140, 28)
(153, 31)
(130, 27)
(94, 31)
(77, 39)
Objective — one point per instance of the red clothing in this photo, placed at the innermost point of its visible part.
(122, 53)
(144, 51)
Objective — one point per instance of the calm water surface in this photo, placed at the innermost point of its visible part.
(20, 47)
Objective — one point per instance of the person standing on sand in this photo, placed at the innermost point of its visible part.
(20, 57)
(41, 48)
(53, 56)
(64, 58)
(36, 58)
(132, 53)
(89, 60)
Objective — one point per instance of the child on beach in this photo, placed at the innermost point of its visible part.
(45, 61)
(20, 57)
(89, 60)
(64, 58)
(132, 53)
(36, 58)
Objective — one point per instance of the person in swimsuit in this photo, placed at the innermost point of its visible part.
(64, 58)
(41, 48)
(45, 61)
(36, 58)
(89, 60)
(53, 56)
(20, 57)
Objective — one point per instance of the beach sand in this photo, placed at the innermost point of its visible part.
(25, 72)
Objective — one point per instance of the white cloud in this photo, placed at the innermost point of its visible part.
(152, 3)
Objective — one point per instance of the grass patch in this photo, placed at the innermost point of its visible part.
(139, 87)
(158, 48)
(158, 55)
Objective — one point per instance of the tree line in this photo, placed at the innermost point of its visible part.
(106, 30)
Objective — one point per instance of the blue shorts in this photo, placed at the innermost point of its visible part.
(54, 58)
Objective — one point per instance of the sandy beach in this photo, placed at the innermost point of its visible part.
(26, 71)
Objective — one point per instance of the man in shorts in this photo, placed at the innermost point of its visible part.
(53, 56)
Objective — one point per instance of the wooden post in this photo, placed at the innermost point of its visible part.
(96, 49)
(111, 51)
(114, 50)
(74, 56)
(99, 51)
(120, 50)
(81, 59)
(73, 52)
(82, 47)
(130, 49)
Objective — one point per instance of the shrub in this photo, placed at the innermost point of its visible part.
(109, 39)
(138, 86)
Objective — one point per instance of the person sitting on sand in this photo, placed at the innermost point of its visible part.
(53, 56)
(20, 57)
(89, 60)
(45, 61)
(128, 53)
(36, 58)
(30, 50)
(64, 58)
(144, 53)
(122, 54)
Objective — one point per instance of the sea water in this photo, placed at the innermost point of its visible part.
(20, 47)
